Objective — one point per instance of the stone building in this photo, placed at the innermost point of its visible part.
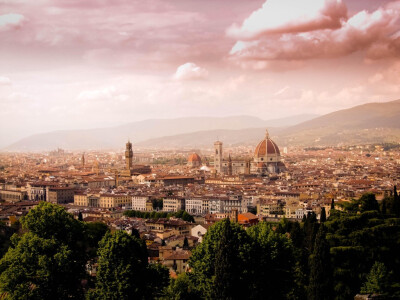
(61, 195)
(130, 168)
(266, 160)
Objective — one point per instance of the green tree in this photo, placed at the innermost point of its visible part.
(320, 274)
(322, 218)
(185, 243)
(227, 280)
(187, 217)
(333, 204)
(39, 268)
(310, 228)
(179, 214)
(357, 240)
(368, 202)
(377, 280)
(396, 202)
(5, 235)
(52, 246)
(157, 279)
(384, 206)
(181, 288)
(273, 270)
(94, 232)
(203, 259)
(122, 261)
(53, 221)
(80, 217)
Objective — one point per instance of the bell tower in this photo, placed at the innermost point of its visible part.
(218, 156)
(230, 166)
(128, 155)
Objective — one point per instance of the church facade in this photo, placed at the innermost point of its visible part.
(266, 160)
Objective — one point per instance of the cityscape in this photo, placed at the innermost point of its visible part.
(178, 150)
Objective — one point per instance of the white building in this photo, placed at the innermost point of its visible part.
(231, 203)
(194, 206)
(139, 202)
(300, 213)
(172, 204)
(215, 206)
(199, 231)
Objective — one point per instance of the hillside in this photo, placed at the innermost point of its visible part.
(368, 123)
(115, 137)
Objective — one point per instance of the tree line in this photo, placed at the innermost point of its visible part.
(356, 250)
(181, 214)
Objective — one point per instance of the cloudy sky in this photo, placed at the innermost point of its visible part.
(67, 64)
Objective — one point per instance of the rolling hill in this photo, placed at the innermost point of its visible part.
(367, 123)
(116, 137)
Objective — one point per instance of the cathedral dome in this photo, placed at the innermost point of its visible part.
(194, 160)
(266, 147)
(194, 157)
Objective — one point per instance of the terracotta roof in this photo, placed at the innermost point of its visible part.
(266, 146)
(194, 157)
(248, 216)
(180, 254)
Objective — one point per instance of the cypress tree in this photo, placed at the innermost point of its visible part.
(377, 280)
(396, 202)
(80, 217)
(310, 229)
(226, 278)
(185, 243)
(368, 202)
(384, 208)
(322, 218)
(304, 218)
(320, 272)
(333, 204)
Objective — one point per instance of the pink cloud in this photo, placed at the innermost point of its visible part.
(190, 71)
(377, 33)
(287, 16)
(5, 81)
(11, 21)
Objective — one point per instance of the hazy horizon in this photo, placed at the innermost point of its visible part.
(77, 65)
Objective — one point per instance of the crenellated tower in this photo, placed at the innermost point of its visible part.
(128, 155)
(218, 156)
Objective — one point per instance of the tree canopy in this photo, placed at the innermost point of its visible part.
(123, 270)
(38, 268)
(48, 260)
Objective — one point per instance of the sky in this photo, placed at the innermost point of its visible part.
(72, 64)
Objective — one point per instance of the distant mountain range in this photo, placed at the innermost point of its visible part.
(116, 137)
(368, 123)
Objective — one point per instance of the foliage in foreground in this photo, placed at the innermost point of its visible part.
(124, 272)
(354, 250)
(47, 260)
